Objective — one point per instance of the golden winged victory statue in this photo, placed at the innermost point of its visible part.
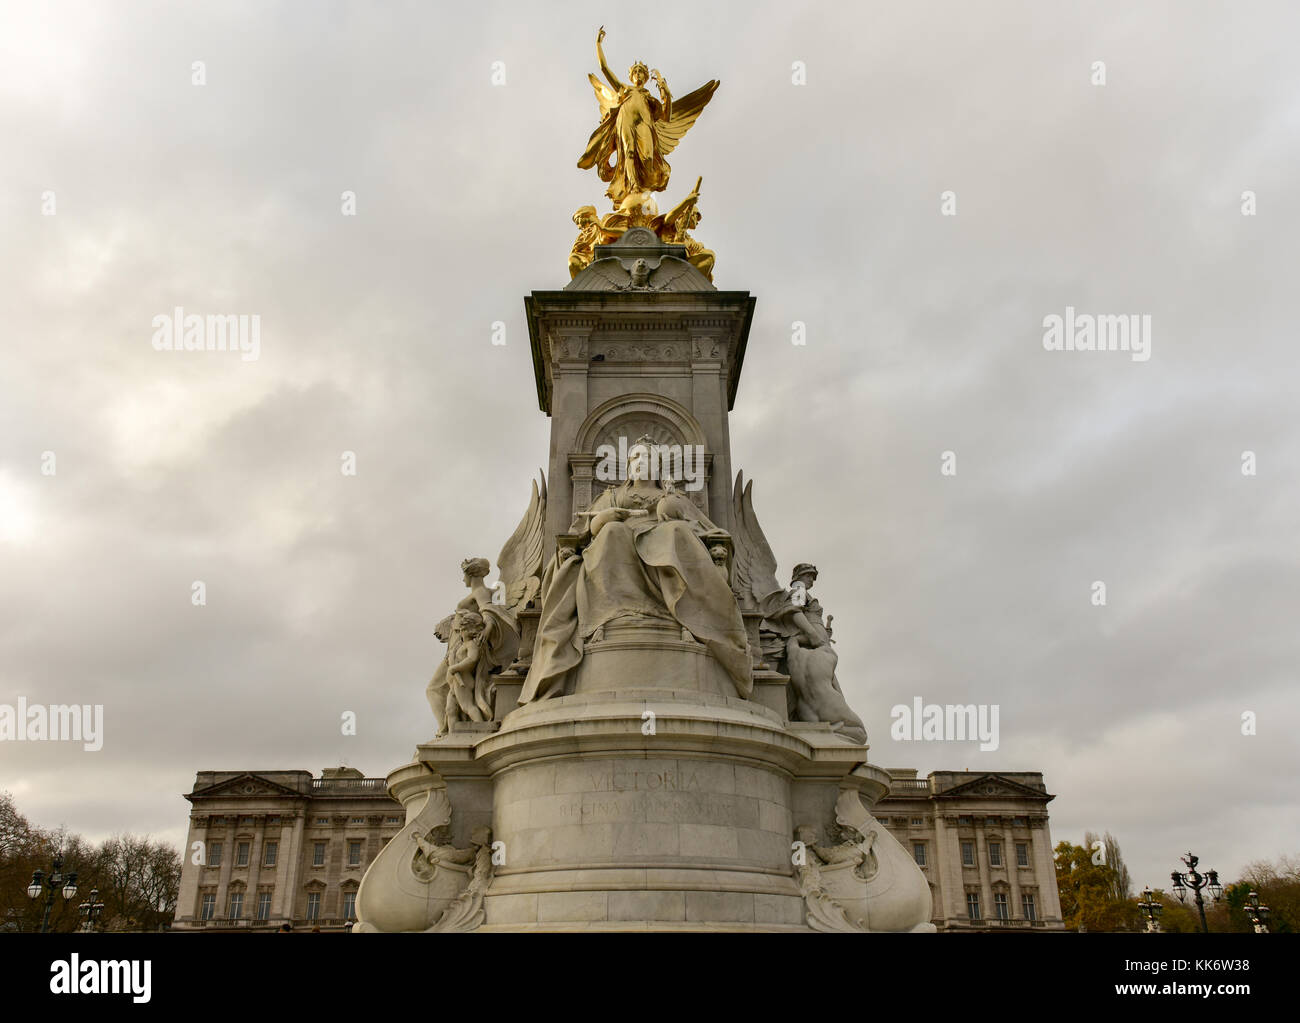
(637, 131)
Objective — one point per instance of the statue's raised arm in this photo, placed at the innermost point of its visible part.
(610, 77)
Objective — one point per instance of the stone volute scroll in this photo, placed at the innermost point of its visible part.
(862, 880)
(420, 882)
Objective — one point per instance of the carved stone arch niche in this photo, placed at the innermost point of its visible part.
(632, 416)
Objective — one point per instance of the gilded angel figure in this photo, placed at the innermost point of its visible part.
(637, 130)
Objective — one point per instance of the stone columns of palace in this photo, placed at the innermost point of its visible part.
(187, 899)
(254, 866)
(229, 842)
(1012, 861)
(948, 865)
(1049, 901)
(982, 863)
(287, 862)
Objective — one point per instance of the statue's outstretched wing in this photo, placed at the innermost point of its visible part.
(600, 146)
(605, 96)
(521, 559)
(755, 564)
(685, 111)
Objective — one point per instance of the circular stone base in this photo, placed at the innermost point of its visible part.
(629, 842)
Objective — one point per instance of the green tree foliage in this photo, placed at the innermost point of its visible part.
(1090, 883)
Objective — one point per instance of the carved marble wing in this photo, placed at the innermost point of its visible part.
(603, 275)
(755, 564)
(521, 559)
(685, 111)
(676, 275)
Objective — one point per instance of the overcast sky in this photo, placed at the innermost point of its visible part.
(924, 335)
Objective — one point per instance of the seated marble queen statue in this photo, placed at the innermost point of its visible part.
(642, 551)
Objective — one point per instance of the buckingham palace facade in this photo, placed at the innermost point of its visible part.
(267, 848)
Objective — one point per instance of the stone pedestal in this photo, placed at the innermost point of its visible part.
(643, 808)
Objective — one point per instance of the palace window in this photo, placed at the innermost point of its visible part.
(973, 906)
(269, 853)
(208, 906)
(1022, 854)
(358, 820)
(1000, 906)
(318, 854)
(322, 820)
(313, 905)
(214, 854)
(392, 820)
(241, 854)
(964, 820)
(918, 822)
(264, 905)
(918, 853)
(995, 854)
(349, 905)
(1027, 904)
(354, 854)
(236, 905)
(968, 854)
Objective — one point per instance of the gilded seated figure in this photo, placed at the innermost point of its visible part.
(641, 552)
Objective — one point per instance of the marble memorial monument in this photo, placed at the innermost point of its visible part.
(640, 727)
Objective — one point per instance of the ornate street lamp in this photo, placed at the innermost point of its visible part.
(1194, 882)
(1258, 914)
(1151, 909)
(90, 911)
(51, 884)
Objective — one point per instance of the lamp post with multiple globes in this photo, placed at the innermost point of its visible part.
(1192, 881)
(1151, 908)
(1258, 914)
(51, 884)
